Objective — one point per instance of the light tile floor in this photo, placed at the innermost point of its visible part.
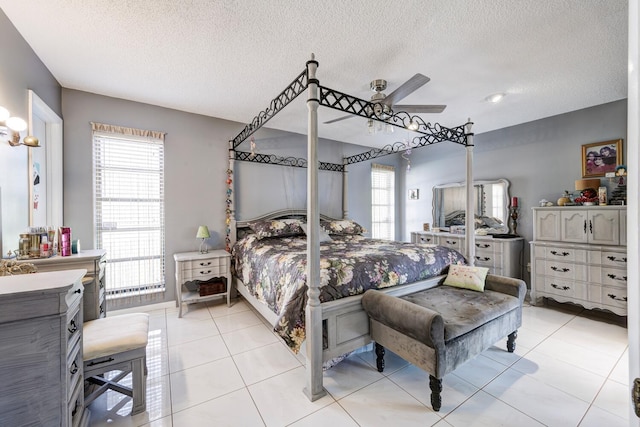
(222, 366)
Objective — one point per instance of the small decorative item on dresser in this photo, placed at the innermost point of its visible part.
(203, 233)
(602, 196)
(564, 199)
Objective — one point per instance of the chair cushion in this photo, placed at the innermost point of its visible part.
(113, 335)
(463, 310)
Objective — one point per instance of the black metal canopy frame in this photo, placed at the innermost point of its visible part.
(430, 133)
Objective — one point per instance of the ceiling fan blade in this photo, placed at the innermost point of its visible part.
(411, 85)
(338, 119)
(418, 109)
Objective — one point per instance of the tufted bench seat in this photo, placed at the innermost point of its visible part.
(117, 343)
(440, 328)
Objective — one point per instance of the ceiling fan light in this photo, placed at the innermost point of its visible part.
(16, 124)
(495, 98)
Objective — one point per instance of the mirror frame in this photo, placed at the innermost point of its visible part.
(437, 198)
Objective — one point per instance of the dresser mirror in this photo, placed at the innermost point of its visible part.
(491, 205)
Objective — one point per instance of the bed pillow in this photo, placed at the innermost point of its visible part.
(466, 276)
(324, 237)
(342, 226)
(276, 228)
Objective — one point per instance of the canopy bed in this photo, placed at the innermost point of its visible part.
(335, 324)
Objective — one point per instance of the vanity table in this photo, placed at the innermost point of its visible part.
(94, 261)
(41, 358)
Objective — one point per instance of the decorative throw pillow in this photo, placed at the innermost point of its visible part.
(324, 237)
(276, 228)
(342, 226)
(465, 276)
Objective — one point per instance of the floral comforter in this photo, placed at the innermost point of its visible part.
(274, 271)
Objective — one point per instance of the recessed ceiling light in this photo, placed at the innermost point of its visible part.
(495, 98)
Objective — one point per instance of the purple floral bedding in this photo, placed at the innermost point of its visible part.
(273, 269)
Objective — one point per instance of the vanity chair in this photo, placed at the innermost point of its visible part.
(116, 343)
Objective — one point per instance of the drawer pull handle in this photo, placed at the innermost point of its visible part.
(590, 227)
(74, 368)
(564, 288)
(77, 291)
(614, 277)
(451, 243)
(483, 258)
(203, 264)
(612, 258)
(483, 245)
(585, 226)
(559, 253)
(73, 328)
(563, 270)
(617, 298)
(111, 359)
(205, 272)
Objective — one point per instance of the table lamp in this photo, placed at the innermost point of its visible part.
(203, 233)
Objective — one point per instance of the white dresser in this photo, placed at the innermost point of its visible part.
(502, 256)
(41, 350)
(579, 255)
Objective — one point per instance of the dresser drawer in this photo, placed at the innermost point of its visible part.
(565, 270)
(487, 260)
(616, 297)
(450, 242)
(566, 288)
(421, 238)
(488, 246)
(74, 328)
(74, 369)
(614, 277)
(561, 254)
(616, 259)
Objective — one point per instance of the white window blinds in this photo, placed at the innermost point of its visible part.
(129, 212)
(382, 202)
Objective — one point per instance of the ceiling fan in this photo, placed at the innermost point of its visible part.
(388, 102)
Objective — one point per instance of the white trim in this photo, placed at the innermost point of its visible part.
(53, 146)
(633, 211)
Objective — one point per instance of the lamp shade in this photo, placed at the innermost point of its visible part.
(203, 232)
(583, 184)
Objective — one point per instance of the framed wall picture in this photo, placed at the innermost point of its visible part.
(414, 194)
(598, 158)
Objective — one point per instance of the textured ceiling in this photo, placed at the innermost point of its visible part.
(229, 58)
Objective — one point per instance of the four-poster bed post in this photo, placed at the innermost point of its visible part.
(469, 223)
(313, 388)
(320, 95)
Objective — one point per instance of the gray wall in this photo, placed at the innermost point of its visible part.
(540, 159)
(195, 168)
(20, 70)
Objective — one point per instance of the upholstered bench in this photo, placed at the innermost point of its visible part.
(440, 328)
(116, 343)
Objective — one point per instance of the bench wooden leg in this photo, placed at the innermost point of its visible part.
(435, 385)
(511, 341)
(380, 357)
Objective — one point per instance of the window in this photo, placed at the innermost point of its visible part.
(382, 202)
(497, 199)
(129, 212)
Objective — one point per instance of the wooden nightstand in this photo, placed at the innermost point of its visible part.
(194, 269)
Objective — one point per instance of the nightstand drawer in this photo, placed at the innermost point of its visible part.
(218, 264)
